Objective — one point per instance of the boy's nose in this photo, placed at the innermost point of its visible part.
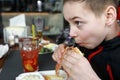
(72, 32)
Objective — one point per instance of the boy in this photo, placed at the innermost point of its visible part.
(94, 27)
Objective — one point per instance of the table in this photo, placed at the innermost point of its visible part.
(13, 65)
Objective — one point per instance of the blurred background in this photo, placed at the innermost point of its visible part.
(30, 5)
(49, 10)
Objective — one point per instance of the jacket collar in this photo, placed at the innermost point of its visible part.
(110, 44)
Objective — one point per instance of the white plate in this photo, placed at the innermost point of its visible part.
(52, 72)
(30, 76)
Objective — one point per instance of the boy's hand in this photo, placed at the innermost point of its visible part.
(57, 53)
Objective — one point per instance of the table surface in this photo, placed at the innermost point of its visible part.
(13, 65)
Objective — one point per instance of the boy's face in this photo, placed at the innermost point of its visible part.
(87, 29)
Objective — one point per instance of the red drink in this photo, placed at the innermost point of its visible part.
(29, 53)
(30, 60)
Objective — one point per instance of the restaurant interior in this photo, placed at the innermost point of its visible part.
(24, 18)
(41, 19)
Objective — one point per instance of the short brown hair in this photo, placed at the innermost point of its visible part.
(97, 6)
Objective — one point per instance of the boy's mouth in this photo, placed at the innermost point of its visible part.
(82, 44)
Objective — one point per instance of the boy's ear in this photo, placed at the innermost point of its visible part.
(110, 14)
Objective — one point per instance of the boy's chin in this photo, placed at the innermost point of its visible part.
(89, 46)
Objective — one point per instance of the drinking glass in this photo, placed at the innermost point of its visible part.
(29, 49)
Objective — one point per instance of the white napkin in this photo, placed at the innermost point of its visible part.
(18, 20)
(3, 50)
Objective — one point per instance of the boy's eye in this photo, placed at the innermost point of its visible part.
(78, 23)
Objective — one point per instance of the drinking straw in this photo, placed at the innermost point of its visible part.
(33, 29)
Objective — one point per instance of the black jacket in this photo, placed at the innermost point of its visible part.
(105, 59)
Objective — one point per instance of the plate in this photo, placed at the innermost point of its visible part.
(30, 76)
(52, 72)
(40, 75)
